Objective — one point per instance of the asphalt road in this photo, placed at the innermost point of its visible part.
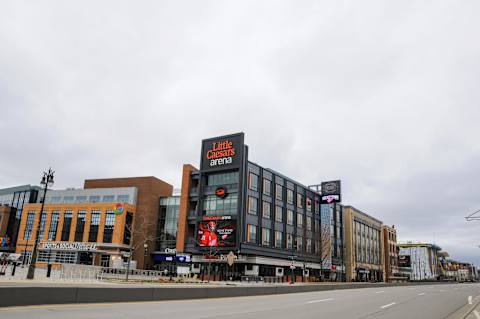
(422, 302)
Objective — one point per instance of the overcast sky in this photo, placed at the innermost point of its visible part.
(383, 95)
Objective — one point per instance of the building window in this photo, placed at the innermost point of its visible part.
(266, 210)
(67, 224)
(29, 226)
(278, 239)
(267, 184)
(127, 231)
(168, 222)
(266, 237)
(79, 229)
(215, 206)
(289, 241)
(308, 245)
(299, 220)
(123, 198)
(278, 214)
(253, 181)
(109, 226)
(252, 234)
(309, 223)
(43, 221)
(108, 198)
(299, 243)
(52, 232)
(68, 199)
(317, 207)
(309, 204)
(278, 192)
(222, 179)
(289, 196)
(299, 200)
(94, 199)
(94, 222)
(81, 199)
(289, 217)
(252, 205)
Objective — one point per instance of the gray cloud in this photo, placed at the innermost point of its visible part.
(381, 95)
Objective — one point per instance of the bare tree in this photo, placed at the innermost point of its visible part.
(140, 235)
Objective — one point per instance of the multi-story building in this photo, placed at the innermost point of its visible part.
(390, 252)
(149, 191)
(248, 220)
(79, 226)
(364, 243)
(423, 260)
(98, 226)
(15, 197)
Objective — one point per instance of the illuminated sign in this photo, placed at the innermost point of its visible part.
(119, 208)
(328, 199)
(221, 192)
(220, 232)
(331, 192)
(76, 246)
(222, 152)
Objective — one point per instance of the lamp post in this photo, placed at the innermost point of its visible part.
(47, 180)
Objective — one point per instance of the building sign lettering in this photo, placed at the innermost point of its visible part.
(76, 246)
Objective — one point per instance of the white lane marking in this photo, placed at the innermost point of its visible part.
(421, 294)
(476, 314)
(320, 300)
(379, 292)
(389, 305)
(470, 302)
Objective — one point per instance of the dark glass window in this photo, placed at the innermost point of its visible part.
(127, 234)
(252, 205)
(267, 185)
(253, 181)
(278, 213)
(252, 233)
(278, 192)
(94, 222)
(67, 225)
(300, 200)
(109, 226)
(289, 196)
(215, 206)
(222, 178)
(289, 217)
(43, 221)
(266, 234)
(266, 210)
(289, 240)
(29, 226)
(278, 239)
(168, 223)
(52, 232)
(79, 229)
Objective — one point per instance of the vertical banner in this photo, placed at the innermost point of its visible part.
(326, 236)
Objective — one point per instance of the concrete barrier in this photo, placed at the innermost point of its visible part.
(23, 296)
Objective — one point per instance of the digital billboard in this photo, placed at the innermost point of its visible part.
(222, 152)
(404, 261)
(331, 192)
(217, 231)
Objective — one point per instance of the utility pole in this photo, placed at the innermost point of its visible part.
(47, 180)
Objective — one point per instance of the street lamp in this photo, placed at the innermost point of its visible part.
(47, 181)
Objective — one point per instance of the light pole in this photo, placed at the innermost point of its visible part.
(47, 180)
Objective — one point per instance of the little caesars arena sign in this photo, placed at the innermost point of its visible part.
(222, 152)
